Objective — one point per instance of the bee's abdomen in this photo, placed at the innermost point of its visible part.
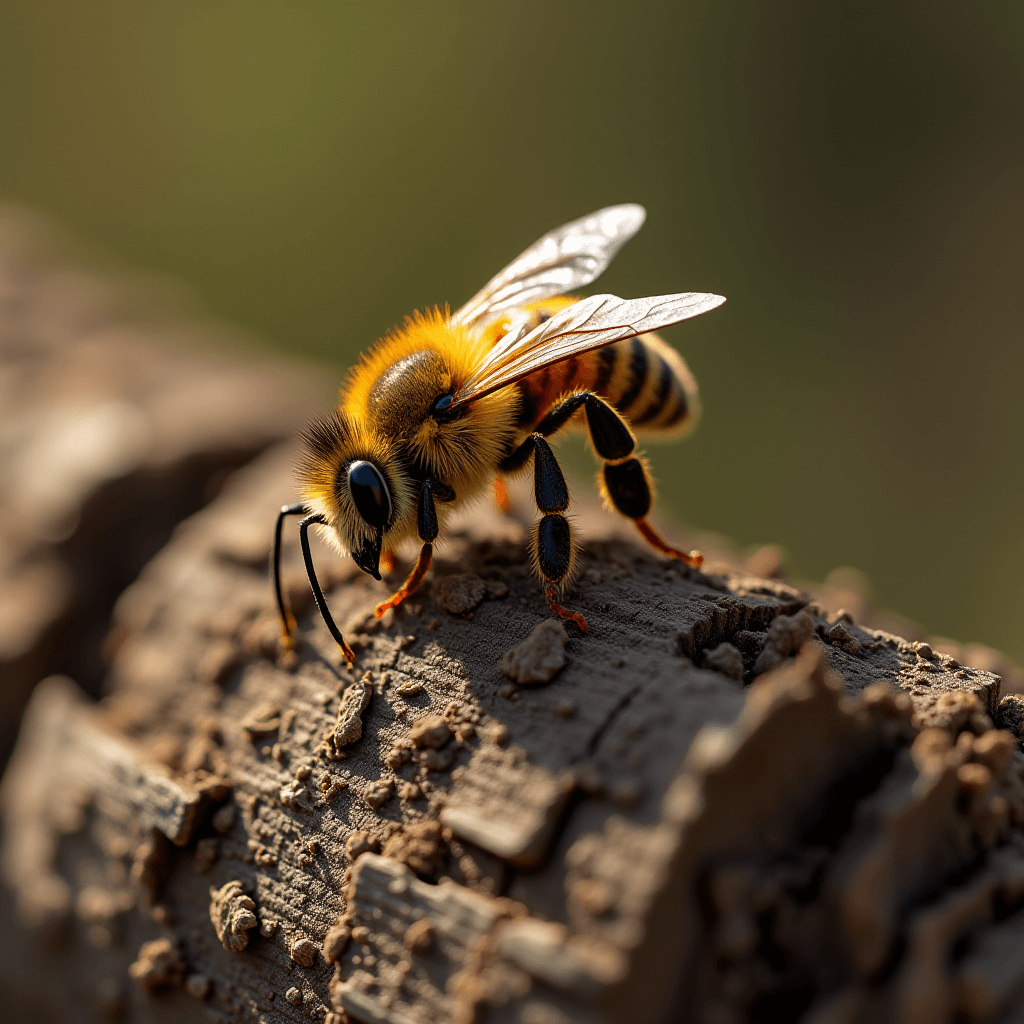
(645, 379)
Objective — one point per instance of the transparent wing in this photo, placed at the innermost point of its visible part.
(588, 324)
(565, 259)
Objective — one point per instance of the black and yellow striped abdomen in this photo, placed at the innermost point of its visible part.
(643, 377)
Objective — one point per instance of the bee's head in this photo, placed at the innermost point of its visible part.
(354, 481)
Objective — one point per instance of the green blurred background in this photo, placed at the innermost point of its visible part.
(848, 174)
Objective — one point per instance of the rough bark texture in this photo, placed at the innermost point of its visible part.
(816, 818)
(111, 432)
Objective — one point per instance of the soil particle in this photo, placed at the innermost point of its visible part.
(419, 847)
(954, 712)
(433, 732)
(303, 952)
(336, 940)
(840, 636)
(349, 726)
(461, 593)
(539, 658)
(397, 756)
(378, 793)
(1010, 715)
(198, 986)
(158, 966)
(725, 659)
(295, 795)
(419, 936)
(293, 996)
(786, 635)
(233, 914)
(359, 843)
(437, 760)
(409, 690)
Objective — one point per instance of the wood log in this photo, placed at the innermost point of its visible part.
(719, 805)
(114, 429)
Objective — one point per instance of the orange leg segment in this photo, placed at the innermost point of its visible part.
(419, 570)
(503, 501)
(694, 558)
(564, 613)
(388, 561)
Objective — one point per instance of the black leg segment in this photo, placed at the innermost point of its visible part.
(548, 482)
(628, 488)
(611, 438)
(287, 623)
(554, 547)
(318, 594)
(426, 514)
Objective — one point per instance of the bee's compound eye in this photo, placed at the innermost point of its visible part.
(370, 493)
(439, 408)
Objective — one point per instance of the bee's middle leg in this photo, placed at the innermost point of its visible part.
(426, 525)
(625, 479)
(554, 550)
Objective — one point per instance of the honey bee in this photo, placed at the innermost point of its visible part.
(450, 402)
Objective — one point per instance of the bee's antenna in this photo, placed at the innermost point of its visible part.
(318, 594)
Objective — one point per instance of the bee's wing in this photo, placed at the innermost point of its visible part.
(565, 259)
(588, 324)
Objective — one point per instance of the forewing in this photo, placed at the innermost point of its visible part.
(565, 259)
(588, 324)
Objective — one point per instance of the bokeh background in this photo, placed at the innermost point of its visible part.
(848, 174)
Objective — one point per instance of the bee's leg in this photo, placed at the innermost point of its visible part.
(501, 498)
(426, 526)
(388, 561)
(553, 547)
(625, 480)
(318, 594)
(287, 619)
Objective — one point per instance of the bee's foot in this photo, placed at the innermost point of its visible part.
(564, 613)
(694, 558)
(346, 653)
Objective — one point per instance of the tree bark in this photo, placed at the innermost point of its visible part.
(725, 805)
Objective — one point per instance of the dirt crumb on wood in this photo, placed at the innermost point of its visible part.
(725, 659)
(337, 939)
(786, 635)
(460, 594)
(233, 914)
(419, 847)
(539, 658)
(433, 732)
(303, 952)
(419, 936)
(158, 966)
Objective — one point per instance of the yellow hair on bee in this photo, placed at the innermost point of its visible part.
(332, 442)
(393, 389)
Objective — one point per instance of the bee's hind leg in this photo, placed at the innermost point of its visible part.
(426, 524)
(554, 550)
(625, 480)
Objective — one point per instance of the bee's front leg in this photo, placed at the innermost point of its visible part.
(426, 527)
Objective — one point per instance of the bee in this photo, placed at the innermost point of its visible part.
(450, 402)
